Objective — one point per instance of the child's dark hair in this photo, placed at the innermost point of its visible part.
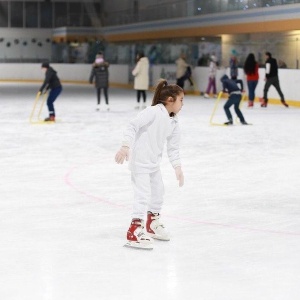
(164, 91)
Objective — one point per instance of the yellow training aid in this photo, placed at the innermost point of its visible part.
(214, 111)
(35, 116)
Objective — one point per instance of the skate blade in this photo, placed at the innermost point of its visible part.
(225, 125)
(158, 237)
(140, 246)
(42, 122)
(219, 124)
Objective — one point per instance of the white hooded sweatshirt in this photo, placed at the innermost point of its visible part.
(146, 135)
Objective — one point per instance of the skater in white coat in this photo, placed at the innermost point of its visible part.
(141, 79)
(143, 144)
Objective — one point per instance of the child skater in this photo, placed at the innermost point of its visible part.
(235, 96)
(100, 73)
(143, 144)
(53, 84)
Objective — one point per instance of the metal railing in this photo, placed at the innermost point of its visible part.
(183, 9)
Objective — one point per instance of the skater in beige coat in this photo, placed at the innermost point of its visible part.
(181, 67)
(141, 78)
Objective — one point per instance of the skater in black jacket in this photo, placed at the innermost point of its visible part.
(100, 73)
(231, 87)
(53, 84)
(272, 79)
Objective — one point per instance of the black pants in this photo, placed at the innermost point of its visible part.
(180, 82)
(234, 99)
(275, 82)
(139, 94)
(105, 91)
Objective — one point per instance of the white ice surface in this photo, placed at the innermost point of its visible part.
(65, 206)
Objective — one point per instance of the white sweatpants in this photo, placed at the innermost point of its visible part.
(148, 191)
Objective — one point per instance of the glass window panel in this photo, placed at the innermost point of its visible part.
(16, 14)
(31, 14)
(75, 12)
(46, 14)
(3, 14)
(97, 9)
(87, 15)
(60, 14)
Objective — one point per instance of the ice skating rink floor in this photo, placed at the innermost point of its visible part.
(65, 205)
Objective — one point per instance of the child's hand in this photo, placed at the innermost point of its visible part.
(122, 154)
(179, 176)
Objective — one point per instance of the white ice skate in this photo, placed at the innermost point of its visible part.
(155, 228)
(136, 238)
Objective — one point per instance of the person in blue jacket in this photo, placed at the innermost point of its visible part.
(231, 87)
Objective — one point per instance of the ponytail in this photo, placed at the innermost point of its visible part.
(164, 91)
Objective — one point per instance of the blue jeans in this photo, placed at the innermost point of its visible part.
(51, 98)
(251, 88)
(235, 100)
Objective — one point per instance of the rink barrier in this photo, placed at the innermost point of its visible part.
(197, 93)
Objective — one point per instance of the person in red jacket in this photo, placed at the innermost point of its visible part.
(251, 71)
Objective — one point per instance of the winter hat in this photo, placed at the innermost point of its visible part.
(99, 60)
(45, 65)
(234, 52)
(224, 77)
(213, 58)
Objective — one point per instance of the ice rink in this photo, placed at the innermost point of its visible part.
(65, 204)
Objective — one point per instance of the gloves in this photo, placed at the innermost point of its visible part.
(122, 154)
(179, 176)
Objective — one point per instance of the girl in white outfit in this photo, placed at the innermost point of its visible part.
(143, 144)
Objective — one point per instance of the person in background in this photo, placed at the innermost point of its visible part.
(141, 78)
(188, 76)
(231, 87)
(143, 143)
(233, 65)
(251, 71)
(53, 84)
(100, 73)
(181, 68)
(282, 64)
(272, 79)
(212, 77)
